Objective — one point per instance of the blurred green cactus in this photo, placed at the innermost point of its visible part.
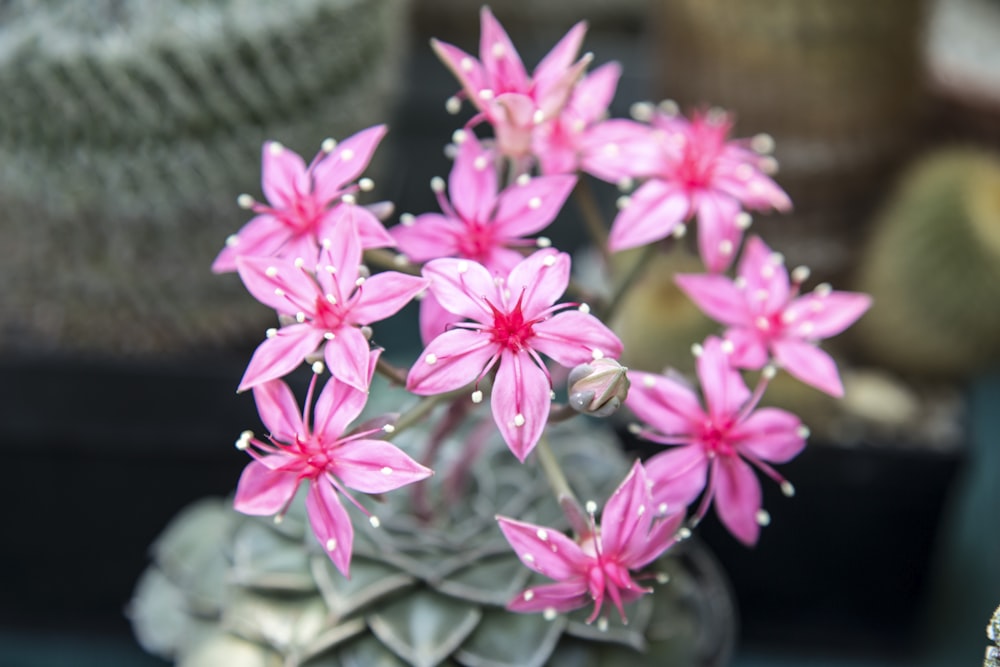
(126, 128)
(933, 268)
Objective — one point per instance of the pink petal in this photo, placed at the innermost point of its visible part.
(618, 148)
(462, 286)
(809, 364)
(750, 348)
(384, 294)
(262, 491)
(766, 279)
(283, 175)
(369, 229)
(562, 55)
(375, 466)
(280, 354)
(279, 410)
(429, 236)
(349, 158)
(472, 184)
(821, 315)
(716, 296)
(464, 67)
(664, 403)
(723, 387)
(330, 523)
(718, 234)
(262, 236)
(451, 361)
(627, 515)
(544, 550)
(737, 498)
(278, 283)
(528, 208)
(770, 434)
(346, 356)
(538, 281)
(594, 93)
(562, 597)
(678, 476)
(339, 262)
(653, 212)
(504, 69)
(434, 319)
(572, 337)
(337, 405)
(662, 536)
(520, 401)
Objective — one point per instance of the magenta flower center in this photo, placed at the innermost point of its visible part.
(302, 215)
(477, 242)
(511, 330)
(715, 437)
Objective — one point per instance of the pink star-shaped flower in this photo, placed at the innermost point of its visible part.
(329, 460)
(328, 304)
(566, 143)
(596, 566)
(765, 316)
(513, 320)
(716, 442)
(306, 203)
(481, 222)
(693, 170)
(499, 86)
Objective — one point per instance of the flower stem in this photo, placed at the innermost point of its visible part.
(554, 473)
(635, 272)
(384, 259)
(593, 221)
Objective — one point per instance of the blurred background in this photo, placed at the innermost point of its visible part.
(127, 128)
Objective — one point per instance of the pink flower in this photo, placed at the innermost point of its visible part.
(596, 566)
(500, 88)
(767, 318)
(323, 456)
(693, 170)
(565, 143)
(480, 223)
(329, 306)
(513, 321)
(307, 203)
(716, 442)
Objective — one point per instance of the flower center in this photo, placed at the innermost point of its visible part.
(302, 215)
(511, 330)
(477, 242)
(715, 438)
(329, 316)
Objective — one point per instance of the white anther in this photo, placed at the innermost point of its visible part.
(331, 544)
(788, 489)
(430, 359)
(679, 231)
(602, 624)
(386, 470)
(684, 533)
(823, 289)
(245, 201)
(366, 184)
(279, 292)
(726, 247)
(477, 396)
(480, 163)
(278, 518)
(271, 271)
(597, 354)
(542, 534)
(549, 260)
(453, 105)
(522, 180)
(328, 145)
(762, 143)
(437, 184)
(459, 136)
(648, 381)
(534, 203)
(349, 199)
(538, 117)
(275, 148)
(625, 184)
(462, 266)
(744, 220)
(519, 420)
(728, 347)
(642, 111)
(549, 614)
(530, 558)
(668, 107)
(584, 308)
(800, 274)
(486, 94)
(763, 518)
(697, 350)
(388, 428)
(623, 202)
(529, 595)
(769, 371)
(543, 242)
(317, 367)
(803, 431)
(662, 578)
(271, 333)
(498, 50)
(374, 521)
(300, 317)
(590, 507)
(768, 165)
(347, 154)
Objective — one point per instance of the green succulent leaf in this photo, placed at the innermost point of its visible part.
(370, 581)
(161, 615)
(231, 651)
(426, 627)
(264, 558)
(289, 624)
(505, 639)
(490, 581)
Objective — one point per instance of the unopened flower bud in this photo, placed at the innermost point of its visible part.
(598, 388)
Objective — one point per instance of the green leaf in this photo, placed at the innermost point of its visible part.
(290, 624)
(491, 581)
(370, 581)
(506, 639)
(226, 649)
(426, 627)
(264, 558)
